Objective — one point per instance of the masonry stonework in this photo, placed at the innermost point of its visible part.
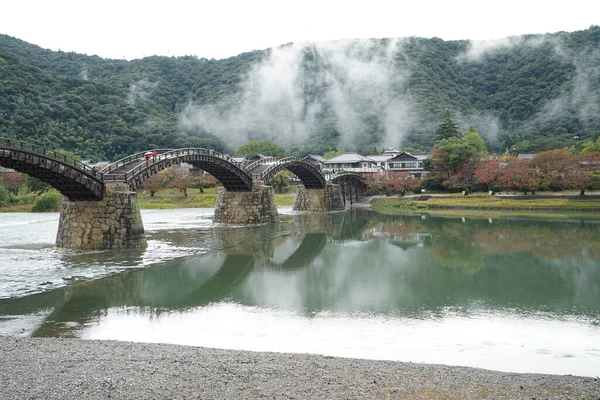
(115, 222)
(245, 208)
(326, 199)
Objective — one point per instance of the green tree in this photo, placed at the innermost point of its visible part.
(447, 128)
(454, 160)
(591, 147)
(4, 195)
(263, 147)
(413, 150)
(281, 181)
(37, 186)
(202, 180)
(47, 202)
(473, 142)
(331, 154)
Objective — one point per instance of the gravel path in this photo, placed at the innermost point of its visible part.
(33, 368)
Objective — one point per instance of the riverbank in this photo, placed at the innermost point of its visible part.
(167, 200)
(71, 368)
(538, 203)
(542, 202)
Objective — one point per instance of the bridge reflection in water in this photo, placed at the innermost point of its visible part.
(357, 261)
(175, 285)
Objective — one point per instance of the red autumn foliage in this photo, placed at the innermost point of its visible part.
(519, 175)
(155, 182)
(390, 182)
(489, 173)
(14, 182)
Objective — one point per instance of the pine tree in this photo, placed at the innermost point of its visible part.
(448, 127)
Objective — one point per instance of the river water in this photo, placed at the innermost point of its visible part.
(509, 294)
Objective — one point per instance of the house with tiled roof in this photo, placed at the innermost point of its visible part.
(315, 160)
(407, 162)
(351, 162)
(381, 160)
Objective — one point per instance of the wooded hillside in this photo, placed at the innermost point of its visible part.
(528, 93)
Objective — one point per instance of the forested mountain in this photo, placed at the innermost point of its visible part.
(527, 93)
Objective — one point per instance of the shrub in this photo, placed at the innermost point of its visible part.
(47, 202)
(4, 195)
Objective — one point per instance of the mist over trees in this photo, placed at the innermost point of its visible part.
(529, 93)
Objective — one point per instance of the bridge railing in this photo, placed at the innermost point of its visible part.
(166, 154)
(262, 161)
(272, 164)
(49, 153)
(339, 174)
(129, 159)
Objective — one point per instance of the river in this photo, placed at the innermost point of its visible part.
(509, 294)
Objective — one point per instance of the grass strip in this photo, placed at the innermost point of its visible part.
(488, 203)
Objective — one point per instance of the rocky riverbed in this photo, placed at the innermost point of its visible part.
(35, 368)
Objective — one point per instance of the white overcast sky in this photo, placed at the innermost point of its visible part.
(223, 28)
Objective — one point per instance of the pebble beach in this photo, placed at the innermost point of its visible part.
(40, 368)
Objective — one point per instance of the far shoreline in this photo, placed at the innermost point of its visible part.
(436, 203)
(566, 203)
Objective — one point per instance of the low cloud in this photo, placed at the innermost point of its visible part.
(581, 99)
(354, 83)
(586, 86)
(478, 49)
(488, 126)
(83, 73)
(141, 89)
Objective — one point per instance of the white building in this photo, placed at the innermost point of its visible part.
(351, 162)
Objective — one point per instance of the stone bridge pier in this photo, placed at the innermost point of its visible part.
(115, 222)
(244, 208)
(327, 199)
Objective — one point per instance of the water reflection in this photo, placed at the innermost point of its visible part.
(338, 270)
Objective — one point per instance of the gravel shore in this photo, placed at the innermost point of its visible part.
(34, 368)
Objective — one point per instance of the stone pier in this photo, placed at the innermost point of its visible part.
(114, 222)
(326, 199)
(245, 208)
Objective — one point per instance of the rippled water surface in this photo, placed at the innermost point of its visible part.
(509, 294)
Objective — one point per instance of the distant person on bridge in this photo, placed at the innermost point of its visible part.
(154, 154)
(147, 156)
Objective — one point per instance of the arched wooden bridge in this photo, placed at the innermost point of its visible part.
(102, 210)
(77, 181)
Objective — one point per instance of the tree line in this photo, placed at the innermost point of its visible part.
(461, 162)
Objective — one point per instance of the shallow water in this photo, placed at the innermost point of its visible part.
(508, 294)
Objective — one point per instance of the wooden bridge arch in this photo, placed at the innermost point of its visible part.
(309, 175)
(135, 169)
(75, 180)
(350, 184)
